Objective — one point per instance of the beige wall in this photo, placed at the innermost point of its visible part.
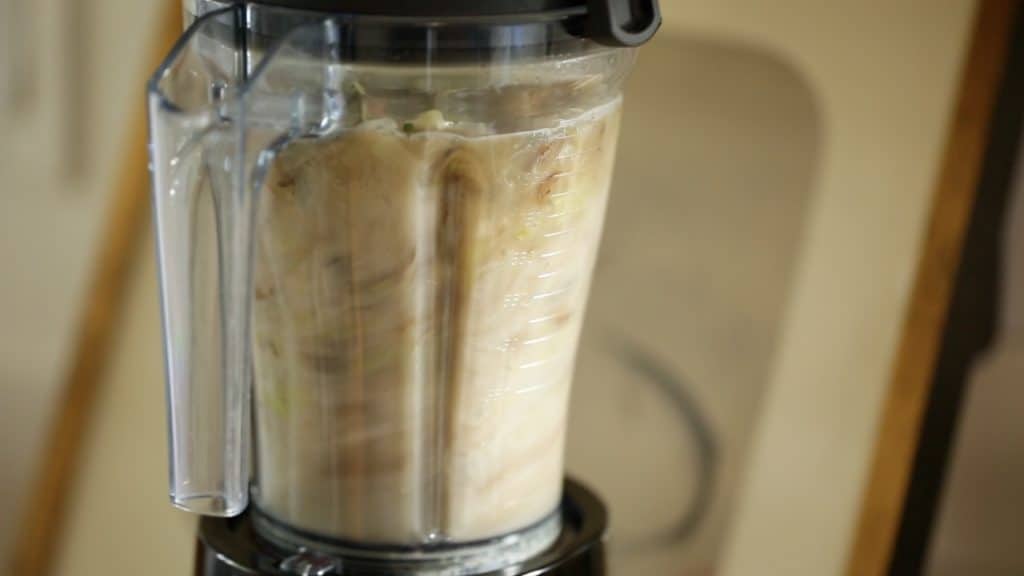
(884, 74)
(717, 162)
(49, 220)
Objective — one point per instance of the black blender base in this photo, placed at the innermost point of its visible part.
(230, 547)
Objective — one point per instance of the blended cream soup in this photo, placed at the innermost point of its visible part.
(419, 291)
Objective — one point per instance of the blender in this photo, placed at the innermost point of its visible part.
(376, 224)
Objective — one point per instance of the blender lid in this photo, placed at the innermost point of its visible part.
(608, 22)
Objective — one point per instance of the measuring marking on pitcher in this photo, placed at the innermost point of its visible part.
(540, 363)
(532, 389)
(548, 318)
(563, 214)
(516, 342)
(558, 233)
(540, 339)
(550, 293)
(551, 254)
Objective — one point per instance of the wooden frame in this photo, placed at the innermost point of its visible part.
(915, 363)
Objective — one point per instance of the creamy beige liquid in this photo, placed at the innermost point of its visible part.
(418, 301)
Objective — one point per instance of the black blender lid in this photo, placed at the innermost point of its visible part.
(609, 22)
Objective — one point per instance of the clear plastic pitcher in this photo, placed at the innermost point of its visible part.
(376, 224)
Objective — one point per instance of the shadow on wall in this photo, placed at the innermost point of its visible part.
(980, 513)
(716, 163)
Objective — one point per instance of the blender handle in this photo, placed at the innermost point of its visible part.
(204, 229)
(215, 128)
(203, 203)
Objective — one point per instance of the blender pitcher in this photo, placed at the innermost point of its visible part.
(376, 222)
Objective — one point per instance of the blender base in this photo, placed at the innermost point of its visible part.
(231, 547)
